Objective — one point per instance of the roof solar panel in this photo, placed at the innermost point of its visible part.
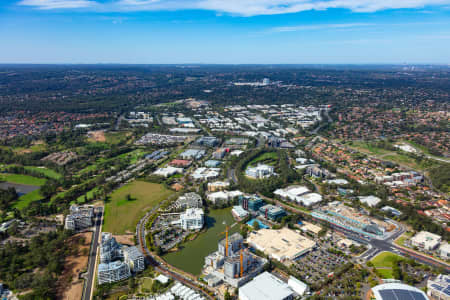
(387, 295)
(437, 287)
(447, 291)
(401, 295)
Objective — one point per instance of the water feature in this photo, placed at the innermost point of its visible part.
(191, 257)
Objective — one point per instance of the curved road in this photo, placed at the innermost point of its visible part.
(160, 267)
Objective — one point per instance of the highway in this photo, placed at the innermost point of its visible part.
(88, 287)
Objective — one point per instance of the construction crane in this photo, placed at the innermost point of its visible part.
(226, 240)
(242, 263)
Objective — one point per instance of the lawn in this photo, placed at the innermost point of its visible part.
(25, 200)
(402, 239)
(22, 179)
(383, 262)
(121, 216)
(367, 148)
(47, 172)
(89, 195)
(269, 158)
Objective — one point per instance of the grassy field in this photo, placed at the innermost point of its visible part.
(402, 239)
(25, 200)
(383, 262)
(121, 216)
(89, 195)
(47, 172)
(368, 148)
(269, 158)
(22, 179)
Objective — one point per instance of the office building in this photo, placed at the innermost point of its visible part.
(426, 240)
(439, 287)
(391, 291)
(192, 219)
(113, 271)
(261, 171)
(272, 212)
(189, 200)
(80, 217)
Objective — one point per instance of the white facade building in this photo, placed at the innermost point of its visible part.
(80, 217)
(113, 271)
(192, 219)
(134, 259)
(260, 171)
(426, 240)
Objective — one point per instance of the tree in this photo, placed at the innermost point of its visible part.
(128, 197)
(255, 225)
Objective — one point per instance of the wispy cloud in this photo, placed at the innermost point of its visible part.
(237, 7)
(318, 27)
(58, 4)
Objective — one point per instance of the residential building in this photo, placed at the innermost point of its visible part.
(113, 271)
(266, 286)
(283, 244)
(134, 259)
(80, 217)
(192, 219)
(426, 240)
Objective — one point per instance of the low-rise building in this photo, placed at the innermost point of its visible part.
(272, 212)
(223, 196)
(282, 244)
(168, 171)
(444, 251)
(260, 171)
(439, 287)
(189, 200)
(309, 199)
(194, 154)
(426, 240)
(266, 286)
(239, 212)
(202, 174)
(371, 201)
(311, 228)
(218, 186)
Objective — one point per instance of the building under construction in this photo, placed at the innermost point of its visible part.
(232, 263)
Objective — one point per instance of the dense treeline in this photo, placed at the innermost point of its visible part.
(35, 265)
(265, 186)
(7, 197)
(440, 177)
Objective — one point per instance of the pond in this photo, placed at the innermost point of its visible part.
(21, 189)
(191, 257)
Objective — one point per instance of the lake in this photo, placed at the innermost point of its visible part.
(191, 257)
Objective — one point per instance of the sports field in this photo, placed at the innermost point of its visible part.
(121, 215)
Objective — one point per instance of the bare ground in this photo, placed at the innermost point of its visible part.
(70, 287)
(127, 239)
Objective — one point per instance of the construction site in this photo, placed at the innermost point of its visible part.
(232, 264)
(349, 218)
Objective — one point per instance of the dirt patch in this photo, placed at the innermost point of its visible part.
(97, 135)
(127, 239)
(70, 287)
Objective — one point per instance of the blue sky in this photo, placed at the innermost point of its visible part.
(225, 31)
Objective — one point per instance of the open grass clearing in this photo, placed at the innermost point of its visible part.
(268, 158)
(121, 215)
(22, 179)
(25, 200)
(384, 262)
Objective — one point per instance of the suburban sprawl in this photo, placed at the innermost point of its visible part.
(225, 182)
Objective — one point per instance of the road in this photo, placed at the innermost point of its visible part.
(89, 282)
(161, 267)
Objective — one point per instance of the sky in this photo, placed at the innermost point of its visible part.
(225, 31)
